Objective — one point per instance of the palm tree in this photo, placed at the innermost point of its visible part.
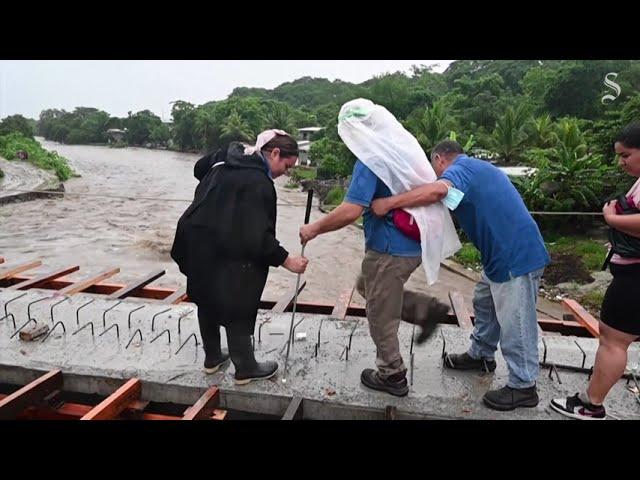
(236, 129)
(279, 116)
(510, 135)
(542, 131)
(433, 126)
(568, 137)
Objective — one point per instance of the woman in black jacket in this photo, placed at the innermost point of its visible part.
(225, 242)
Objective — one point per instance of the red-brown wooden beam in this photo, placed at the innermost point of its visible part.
(203, 409)
(583, 317)
(13, 405)
(136, 285)
(112, 406)
(45, 277)
(84, 284)
(12, 270)
(339, 311)
(460, 310)
(176, 297)
(286, 300)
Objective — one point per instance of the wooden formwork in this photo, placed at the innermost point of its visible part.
(578, 322)
(40, 399)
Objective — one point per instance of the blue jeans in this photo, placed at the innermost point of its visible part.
(506, 312)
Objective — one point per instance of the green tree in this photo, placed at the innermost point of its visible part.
(160, 135)
(184, 120)
(279, 115)
(139, 127)
(333, 158)
(393, 91)
(206, 128)
(95, 126)
(16, 123)
(431, 125)
(475, 101)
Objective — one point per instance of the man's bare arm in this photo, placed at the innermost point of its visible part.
(343, 215)
(424, 195)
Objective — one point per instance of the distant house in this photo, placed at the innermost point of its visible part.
(115, 135)
(304, 143)
(305, 133)
(303, 156)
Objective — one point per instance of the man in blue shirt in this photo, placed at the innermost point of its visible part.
(496, 220)
(390, 259)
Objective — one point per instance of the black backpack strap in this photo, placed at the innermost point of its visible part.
(608, 259)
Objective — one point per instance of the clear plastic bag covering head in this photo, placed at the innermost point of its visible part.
(379, 141)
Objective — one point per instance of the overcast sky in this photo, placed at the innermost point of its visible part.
(117, 86)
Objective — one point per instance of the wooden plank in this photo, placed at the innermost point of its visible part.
(554, 324)
(138, 284)
(117, 402)
(583, 317)
(83, 284)
(45, 277)
(339, 311)
(12, 405)
(103, 288)
(203, 409)
(294, 410)
(460, 310)
(287, 299)
(177, 296)
(15, 269)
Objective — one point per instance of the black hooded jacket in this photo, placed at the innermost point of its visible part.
(225, 240)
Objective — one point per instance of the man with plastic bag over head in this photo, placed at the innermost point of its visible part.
(390, 161)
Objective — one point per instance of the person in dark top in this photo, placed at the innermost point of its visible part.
(225, 243)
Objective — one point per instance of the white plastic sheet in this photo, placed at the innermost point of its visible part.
(379, 141)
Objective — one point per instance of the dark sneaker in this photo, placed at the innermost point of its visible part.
(258, 371)
(395, 384)
(574, 407)
(463, 361)
(213, 364)
(507, 398)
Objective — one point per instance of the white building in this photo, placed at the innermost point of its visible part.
(305, 133)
